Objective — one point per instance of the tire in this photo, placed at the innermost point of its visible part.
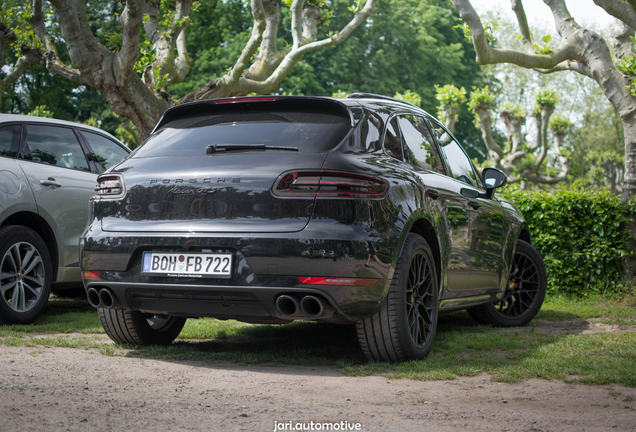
(137, 328)
(26, 272)
(404, 327)
(524, 295)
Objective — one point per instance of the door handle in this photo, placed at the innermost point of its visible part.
(432, 193)
(50, 182)
(474, 204)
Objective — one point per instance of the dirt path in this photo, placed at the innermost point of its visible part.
(50, 389)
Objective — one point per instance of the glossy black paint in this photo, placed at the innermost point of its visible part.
(224, 203)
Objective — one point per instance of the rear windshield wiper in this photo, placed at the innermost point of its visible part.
(235, 147)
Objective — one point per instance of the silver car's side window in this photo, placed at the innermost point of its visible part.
(10, 140)
(55, 146)
(107, 152)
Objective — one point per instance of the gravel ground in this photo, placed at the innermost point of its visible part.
(50, 389)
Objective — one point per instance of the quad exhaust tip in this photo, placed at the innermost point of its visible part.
(309, 306)
(93, 297)
(287, 306)
(102, 298)
(315, 307)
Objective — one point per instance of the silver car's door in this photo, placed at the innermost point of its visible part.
(57, 170)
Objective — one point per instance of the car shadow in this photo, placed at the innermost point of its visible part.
(322, 348)
(297, 348)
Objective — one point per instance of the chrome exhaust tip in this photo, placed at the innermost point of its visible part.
(287, 306)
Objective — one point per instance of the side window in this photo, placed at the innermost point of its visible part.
(55, 146)
(392, 141)
(10, 140)
(420, 145)
(107, 152)
(370, 129)
(458, 163)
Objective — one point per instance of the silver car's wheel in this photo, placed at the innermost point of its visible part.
(25, 272)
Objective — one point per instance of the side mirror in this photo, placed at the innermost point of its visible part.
(492, 179)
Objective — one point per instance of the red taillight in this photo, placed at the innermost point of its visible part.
(90, 275)
(337, 281)
(110, 186)
(244, 99)
(329, 185)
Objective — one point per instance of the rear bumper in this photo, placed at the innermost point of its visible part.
(246, 303)
(265, 267)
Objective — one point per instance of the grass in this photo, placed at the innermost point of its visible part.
(606, 311)
(462, 348)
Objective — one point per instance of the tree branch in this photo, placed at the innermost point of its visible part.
(311, 15)
(620, 10)
(151, 24)
(568, 65)
(269, 57)
(622, 34)
(53, 62)
(531, 175)
(543, 120)
(296, 54)
(296, 24)
(130, 22)
(30, 57)
(252, 45)
(489, 55)
(360, 16)
(522, 21)
(181, 67)
(485, 124)
(235, 84)
(564, 22)
(7, 37)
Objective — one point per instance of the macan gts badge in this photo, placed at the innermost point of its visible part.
(359, 211)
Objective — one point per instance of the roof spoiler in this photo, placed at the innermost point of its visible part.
(213, 106)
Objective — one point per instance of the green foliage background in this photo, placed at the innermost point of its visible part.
(581, 236)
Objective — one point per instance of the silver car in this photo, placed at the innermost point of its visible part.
(48, 172)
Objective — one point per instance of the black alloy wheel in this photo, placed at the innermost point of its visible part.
(420, 300)
(25, 275)
(404, 327)
(524, 294)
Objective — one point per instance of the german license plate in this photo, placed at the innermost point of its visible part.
(199, 265)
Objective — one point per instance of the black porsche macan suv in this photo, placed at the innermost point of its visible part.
(362, 210)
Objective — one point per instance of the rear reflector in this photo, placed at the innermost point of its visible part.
(337, 281)
(244, 99)
(329, 185)
(90, 275)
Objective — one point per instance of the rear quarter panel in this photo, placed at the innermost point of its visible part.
(15, 193)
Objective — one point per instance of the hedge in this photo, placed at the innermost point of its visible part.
(581, 236)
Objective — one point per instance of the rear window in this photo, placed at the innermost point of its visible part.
(309, 132)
